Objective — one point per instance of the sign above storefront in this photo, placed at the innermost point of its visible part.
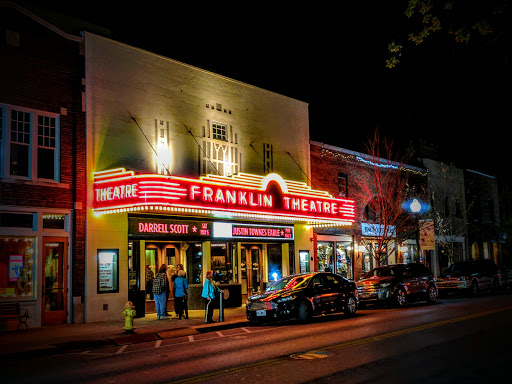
(377, 230)
(150, 227)
(245, 195)
(252, 231)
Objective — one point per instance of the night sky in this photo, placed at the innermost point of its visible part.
(333, 58)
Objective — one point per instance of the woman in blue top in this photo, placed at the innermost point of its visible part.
(180, 290)
(210, 291)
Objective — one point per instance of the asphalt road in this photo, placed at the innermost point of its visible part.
(456, 340)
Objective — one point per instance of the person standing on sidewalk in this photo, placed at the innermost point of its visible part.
(160, 285)
(180, 291)
(210, 295)
(179, 267)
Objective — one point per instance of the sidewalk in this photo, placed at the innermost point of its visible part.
(76, 337)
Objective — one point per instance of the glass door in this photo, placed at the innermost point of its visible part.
(54, 281)
(251, 268)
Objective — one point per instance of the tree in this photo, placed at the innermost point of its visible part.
(383, 187)
(464, 21)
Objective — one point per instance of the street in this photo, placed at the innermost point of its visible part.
(456, 340)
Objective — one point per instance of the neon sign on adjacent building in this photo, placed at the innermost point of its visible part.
(119, 190)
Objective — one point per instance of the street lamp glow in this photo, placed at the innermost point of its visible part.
(415, 206)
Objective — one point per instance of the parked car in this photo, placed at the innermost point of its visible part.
(398, 284)
(302, 296)
(469, 276)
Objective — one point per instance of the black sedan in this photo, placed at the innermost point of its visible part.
(398, 284)
(303, 296)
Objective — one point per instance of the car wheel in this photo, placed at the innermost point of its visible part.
(474, 289)
(350, 306)
(431, 294)
(399, 299)
(304, 312)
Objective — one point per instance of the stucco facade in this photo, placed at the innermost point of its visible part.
(153, 115)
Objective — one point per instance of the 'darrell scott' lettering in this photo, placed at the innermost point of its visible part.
(163, 228)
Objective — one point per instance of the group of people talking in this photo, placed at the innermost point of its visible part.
(161, 290)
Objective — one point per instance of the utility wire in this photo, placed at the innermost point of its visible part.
(149, 142)
(262, 159)
(307, 177)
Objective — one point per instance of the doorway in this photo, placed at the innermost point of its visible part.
(54, 281)
(251, 268)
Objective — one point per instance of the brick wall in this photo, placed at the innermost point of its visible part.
(42, 70)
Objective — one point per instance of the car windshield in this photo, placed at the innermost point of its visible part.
(381, 272)
(288, 282)
(460, 267)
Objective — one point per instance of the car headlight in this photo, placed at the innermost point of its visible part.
(286, 298)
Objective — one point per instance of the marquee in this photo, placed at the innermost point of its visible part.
(267, 197)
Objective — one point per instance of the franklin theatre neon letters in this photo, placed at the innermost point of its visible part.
(271, 196)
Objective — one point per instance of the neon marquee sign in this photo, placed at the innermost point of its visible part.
(270, 196)
(139, 226)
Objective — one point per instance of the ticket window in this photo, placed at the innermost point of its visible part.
(223, 262)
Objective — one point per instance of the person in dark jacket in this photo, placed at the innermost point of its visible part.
(160, 285)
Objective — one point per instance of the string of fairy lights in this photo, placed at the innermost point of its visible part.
(388, 164)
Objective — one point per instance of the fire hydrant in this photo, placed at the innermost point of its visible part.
(129, 314)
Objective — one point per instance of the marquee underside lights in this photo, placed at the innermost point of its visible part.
(242, 195)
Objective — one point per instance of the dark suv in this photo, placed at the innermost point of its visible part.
(398, 284)
(470, 276)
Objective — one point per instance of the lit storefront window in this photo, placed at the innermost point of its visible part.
(344, 257)
(16, 258)
(275, 261)
(325, 251)
(223, 262)
(367, 262)
(194, 253)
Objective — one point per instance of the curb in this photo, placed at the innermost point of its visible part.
(120, 340)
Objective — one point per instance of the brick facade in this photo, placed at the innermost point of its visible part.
(41, 69)
(328, 163)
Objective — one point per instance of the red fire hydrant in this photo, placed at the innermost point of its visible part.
(129, 314)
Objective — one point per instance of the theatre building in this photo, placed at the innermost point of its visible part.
(189, 167)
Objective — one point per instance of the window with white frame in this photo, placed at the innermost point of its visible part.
(29, 144)
(219, 132)
(220, 158)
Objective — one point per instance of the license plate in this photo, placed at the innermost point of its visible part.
(261, 312)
